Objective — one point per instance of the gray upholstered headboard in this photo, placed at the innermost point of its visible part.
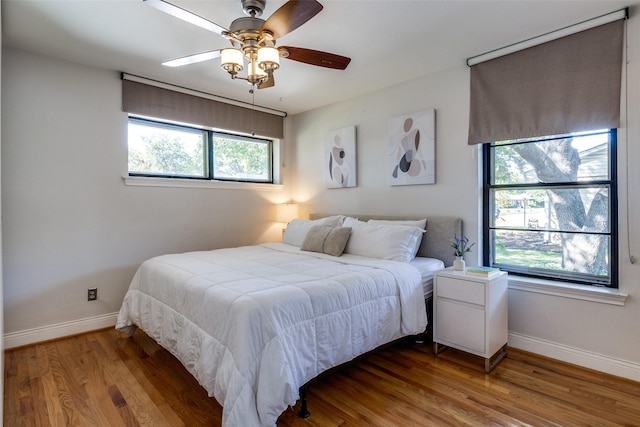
(436, 242)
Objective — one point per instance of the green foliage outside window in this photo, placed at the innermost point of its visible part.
(240, 159)
(162, 154)
(551, 207)
(168, 150)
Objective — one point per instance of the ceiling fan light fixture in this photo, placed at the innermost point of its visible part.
(268, 59)
(255, 39)
(231, 60)
(255, 74)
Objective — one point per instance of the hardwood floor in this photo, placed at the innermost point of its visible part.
(104, 378)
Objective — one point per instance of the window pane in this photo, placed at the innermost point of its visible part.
(583, 209)
(241, 158)
(557, 160)
(552, 254)
(551, 207)
(166, 150)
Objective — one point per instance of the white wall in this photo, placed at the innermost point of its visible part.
(593, 334)
(371, 114)
(69, 222)
(1, 285)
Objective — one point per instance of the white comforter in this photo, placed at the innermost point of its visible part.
(253, 324)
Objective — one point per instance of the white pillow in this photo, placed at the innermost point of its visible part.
(393, 242)
(297, 229)
(420, 223)
(352, 222)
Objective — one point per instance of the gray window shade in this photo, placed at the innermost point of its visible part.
(152, 101)
(566, 85)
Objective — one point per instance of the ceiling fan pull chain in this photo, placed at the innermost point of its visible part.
(253, 106)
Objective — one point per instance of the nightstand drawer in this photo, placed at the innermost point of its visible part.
(460, 290)
(460, 324)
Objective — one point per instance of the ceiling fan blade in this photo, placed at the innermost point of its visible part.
(290, 16)
(314, 57)
(270, 82)
(185, 15)
(192, 59)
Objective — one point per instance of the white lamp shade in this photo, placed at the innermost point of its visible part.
(231, 56)
(254, 72)
(285, 212)
(268, 58)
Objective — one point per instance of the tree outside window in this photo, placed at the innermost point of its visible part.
(551, 207)
(167, 150)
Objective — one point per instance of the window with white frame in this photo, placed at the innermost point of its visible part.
(550, 207)
(169, 150)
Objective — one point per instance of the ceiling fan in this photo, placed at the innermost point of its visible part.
(254, 40)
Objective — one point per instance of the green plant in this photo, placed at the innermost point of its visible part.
(461, 245)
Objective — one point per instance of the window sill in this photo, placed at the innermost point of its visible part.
(144, 181)
(568, 290)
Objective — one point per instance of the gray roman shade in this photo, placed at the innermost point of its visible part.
(566, 85)
(162, 103)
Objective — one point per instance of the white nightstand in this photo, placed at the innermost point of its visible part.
(470, 314)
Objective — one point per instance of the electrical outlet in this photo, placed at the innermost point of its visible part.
(92, 294)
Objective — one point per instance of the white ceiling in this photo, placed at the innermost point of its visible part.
(389, 41)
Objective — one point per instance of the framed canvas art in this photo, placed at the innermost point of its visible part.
(340, 158)
(412, 142)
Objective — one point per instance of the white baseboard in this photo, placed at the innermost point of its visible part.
(598, 362)
(59, 330)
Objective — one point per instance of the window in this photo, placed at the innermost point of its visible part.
(550, 207)
(170, 150)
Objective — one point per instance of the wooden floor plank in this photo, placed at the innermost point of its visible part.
(37, 394)
(11, 411)
(463, 386)
(182, 394)
(100, 386)
(408, 391)
(105, 378)
(137, 398)
(54, 404)
(532, 396)
(85, 388)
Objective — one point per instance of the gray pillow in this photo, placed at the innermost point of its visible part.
(326, 239)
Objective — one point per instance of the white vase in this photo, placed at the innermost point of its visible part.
(459, 264)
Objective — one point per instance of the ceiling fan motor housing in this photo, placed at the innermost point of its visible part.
(246, 24)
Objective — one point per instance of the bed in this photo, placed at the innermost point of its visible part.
(254, 324)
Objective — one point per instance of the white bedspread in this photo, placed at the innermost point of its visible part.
(253, 324)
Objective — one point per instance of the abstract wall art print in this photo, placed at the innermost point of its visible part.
(412, 143)
(340, 158)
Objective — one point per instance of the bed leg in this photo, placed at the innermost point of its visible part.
(304, 411)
